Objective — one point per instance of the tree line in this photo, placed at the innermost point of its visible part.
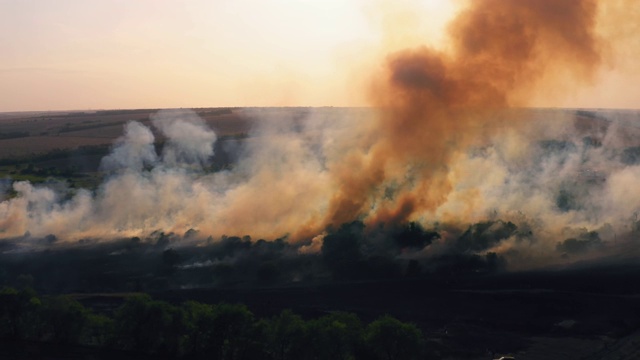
(193, 330)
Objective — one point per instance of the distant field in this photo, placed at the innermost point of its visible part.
(25, 134)
(41, 144)
(68, 146)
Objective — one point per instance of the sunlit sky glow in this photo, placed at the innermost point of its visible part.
(96, 54)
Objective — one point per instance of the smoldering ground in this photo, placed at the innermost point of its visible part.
(450, 150)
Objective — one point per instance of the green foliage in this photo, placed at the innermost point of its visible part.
(285, 336)
(201, 331)
(390, 339)
(20, 313)
(149, 326)
(65, 319)
(99, 330)
(199, 319)
(233, 327)
(335, 336)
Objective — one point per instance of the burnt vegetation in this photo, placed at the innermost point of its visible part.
(240, 298)
(162, 261)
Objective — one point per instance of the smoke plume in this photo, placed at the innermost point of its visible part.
(437, 104)
(450, 145)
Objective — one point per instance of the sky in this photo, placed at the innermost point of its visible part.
(116, 54)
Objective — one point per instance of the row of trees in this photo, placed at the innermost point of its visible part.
(196, 330)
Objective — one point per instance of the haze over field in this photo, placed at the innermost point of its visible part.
(449, 144)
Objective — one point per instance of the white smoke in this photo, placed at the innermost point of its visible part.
(189, 140)
(133, 151)
(555, 178)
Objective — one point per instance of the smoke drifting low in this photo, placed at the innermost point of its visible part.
(451, 150)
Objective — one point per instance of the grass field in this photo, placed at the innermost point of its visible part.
(69, 146)
(27, 134)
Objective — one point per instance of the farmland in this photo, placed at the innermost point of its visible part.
(68, 146)
(466, 299)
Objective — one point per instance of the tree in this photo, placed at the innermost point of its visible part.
(99, 330)
(390, 339)
(20, 313)
(149, 326)
(285, 336)
(66, 319)
(199, 319)
(335, 336)
(233, 329)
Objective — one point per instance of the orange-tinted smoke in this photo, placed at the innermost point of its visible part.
(435, 104)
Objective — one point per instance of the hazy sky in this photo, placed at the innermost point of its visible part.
(100, 54)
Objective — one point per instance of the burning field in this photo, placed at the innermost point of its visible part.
(449, 160)
(464, 197)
